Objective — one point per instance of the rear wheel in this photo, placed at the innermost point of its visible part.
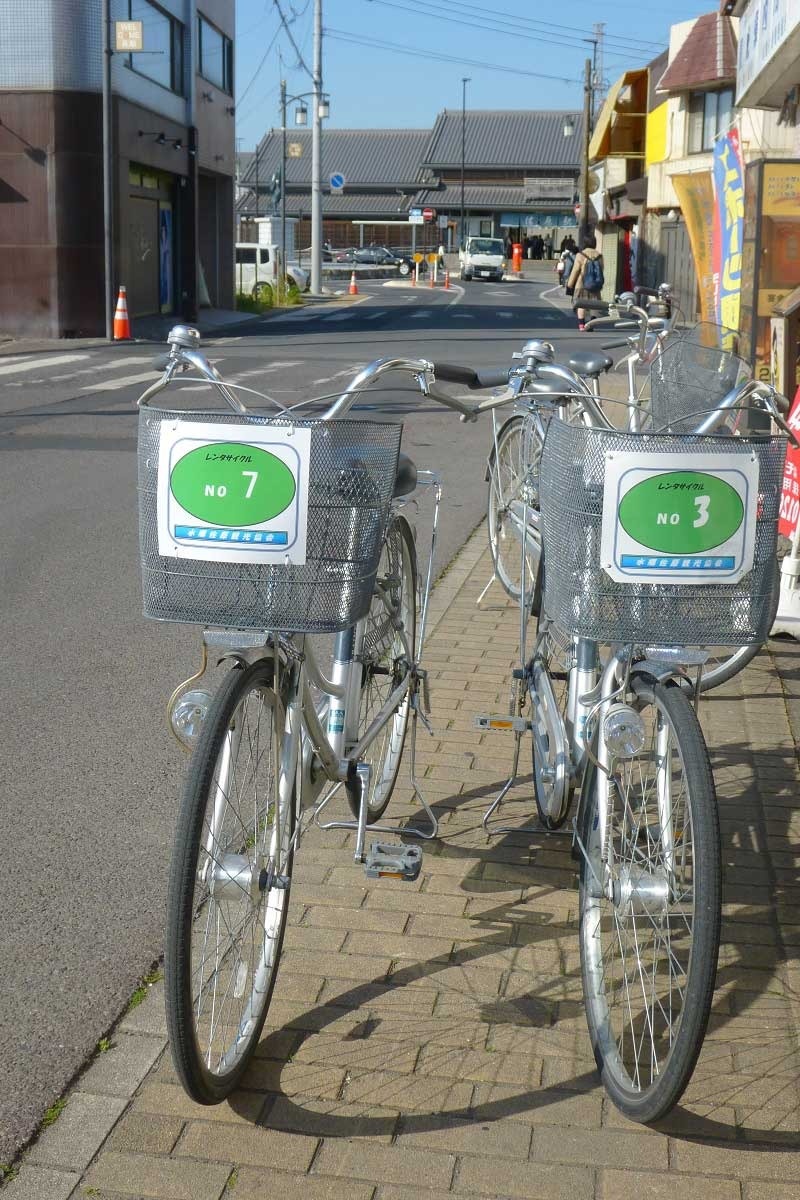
(263, 291)
(513, 479)
(385, 664)
(228, 887)
(649, 948)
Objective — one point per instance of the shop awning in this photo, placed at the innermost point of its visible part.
(619, 128)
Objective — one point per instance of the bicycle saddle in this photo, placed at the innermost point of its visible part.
(589, 362)
(406, 478)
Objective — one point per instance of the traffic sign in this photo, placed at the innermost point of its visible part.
(417, 257)
(337, 182)
(443, 220)
(415, 217)
(428, 214)
(432, 258)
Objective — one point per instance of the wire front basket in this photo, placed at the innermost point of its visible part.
(351, 478)
(690, 376)
(582, 598)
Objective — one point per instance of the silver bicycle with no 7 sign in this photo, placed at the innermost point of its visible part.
(268, 530)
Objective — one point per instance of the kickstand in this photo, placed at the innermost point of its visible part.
(362, 826)
(495, 831)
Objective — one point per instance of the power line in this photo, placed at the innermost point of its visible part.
(301, 61)
(458, 7)
(257, 71)
(343, 35)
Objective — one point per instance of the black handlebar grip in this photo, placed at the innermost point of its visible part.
(616, 345)
(640, 290)
(161, 363)
(453, 374)
(493, 377)
(591, 305)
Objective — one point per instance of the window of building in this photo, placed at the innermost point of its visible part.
(215, 56)
(709, 115)
(162, 57)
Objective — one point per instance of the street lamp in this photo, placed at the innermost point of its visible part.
(322, 109)
(464, 83)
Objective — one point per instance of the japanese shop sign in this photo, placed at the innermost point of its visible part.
(233, 493)
(128, 36)
(790, 492)
(678, 520)
(695, 192)
(728, 228)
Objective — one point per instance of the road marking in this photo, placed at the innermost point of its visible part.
(113, 385)
(352, 370)
(273, 366)
(421, 315)
(374, 316)
(41, 364)
(463, 316)
(301, 315)
(106, 366)
(505, 315)
(340, 316)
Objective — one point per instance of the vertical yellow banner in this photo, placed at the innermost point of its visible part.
(696, 197)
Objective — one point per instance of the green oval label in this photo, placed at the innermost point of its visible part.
(232, 484)
(681, 512)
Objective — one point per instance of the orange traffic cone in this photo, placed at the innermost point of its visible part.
(446, 280)
(353, 289)
(122, 326)
(414, 276)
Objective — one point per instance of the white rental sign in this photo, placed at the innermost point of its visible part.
(233, 493)
(679, 519)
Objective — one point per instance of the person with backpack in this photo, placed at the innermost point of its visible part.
(586, 278)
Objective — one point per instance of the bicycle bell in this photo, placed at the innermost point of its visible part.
(535, 351)
(185, 336)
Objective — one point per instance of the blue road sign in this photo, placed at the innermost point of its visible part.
(337, 181)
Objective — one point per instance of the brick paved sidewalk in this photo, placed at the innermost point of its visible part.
(430, 1038)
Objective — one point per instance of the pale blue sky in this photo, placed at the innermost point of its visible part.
(382, 87)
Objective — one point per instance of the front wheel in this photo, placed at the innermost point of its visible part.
(404, 269)
(385, 664)
(228, 887)
(649, 927)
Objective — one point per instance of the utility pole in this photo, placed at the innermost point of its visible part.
(316, 157)
(108, 175)
(583, 229)
(464, 83)
(282, 263)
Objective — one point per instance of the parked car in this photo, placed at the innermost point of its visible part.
(257, 269)
(482, 258)
(378, 256)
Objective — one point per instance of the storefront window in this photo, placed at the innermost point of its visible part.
(216, 56)
(162, 57)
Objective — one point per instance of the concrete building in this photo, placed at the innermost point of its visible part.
(173, 162)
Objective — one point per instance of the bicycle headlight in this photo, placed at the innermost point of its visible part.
(187, 715)
(623, 731)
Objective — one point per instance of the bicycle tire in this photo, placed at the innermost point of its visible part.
(556, 652)
(645, 1078)
(224, 825)
(382, 667)
(504, 543)
(729, 664)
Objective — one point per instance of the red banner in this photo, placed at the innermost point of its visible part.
(790, 493)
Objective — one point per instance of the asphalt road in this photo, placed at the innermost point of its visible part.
(90, 773)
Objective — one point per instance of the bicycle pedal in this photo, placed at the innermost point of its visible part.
(393, 860)
(507, 721)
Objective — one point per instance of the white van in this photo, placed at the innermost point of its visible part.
(257, 267)
(482, 258)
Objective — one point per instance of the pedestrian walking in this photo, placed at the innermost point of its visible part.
(548, 246)
(440, 252)
(566, 260)
(586, 277)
